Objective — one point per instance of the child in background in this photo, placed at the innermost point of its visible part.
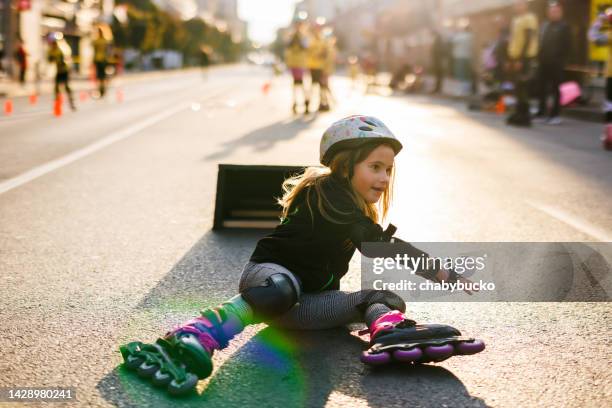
(295, 58)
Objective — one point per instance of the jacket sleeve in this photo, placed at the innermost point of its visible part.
(362, 233)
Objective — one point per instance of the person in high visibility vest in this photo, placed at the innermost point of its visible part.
(102, 52)
(599, 34)
(328, 70)
(60, 55)
(522, 51)
(295, 58)
(317, 54)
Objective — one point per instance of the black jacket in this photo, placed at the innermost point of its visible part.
(555, 44)
(315, 249)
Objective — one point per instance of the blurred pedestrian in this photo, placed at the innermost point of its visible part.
(500, 51)
(328, 69)
(438, 50)
(60, 55)
(317, 55)
(522, 50)
(21, 57)
(369, 65)
(295, 59)
(463, 58)
(555, 45)
(353, 63)
(102, 53)
(205, 52)
(599, 34)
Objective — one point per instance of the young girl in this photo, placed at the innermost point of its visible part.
(292, 278)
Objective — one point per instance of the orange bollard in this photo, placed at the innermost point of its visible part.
(500, 106)
(83, 95)
(33, 99)
(266, 88)
(8, 107)
(57, 107)
(119, 95)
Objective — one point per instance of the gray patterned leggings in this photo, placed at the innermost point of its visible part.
(323, 310)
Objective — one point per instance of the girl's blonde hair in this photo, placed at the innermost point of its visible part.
(341, 167)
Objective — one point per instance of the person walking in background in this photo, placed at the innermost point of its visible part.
(329, 68)
(553, 52)
(102, 52)
(522, 51)
(500, 51)
(21, 57)
(205, 52)
(354, 70)
(295, 58)
(437, 59)
(599, 34)
(317, 54)
(463, 58)
(60, 54)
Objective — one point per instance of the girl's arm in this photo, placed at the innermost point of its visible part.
(365, 230)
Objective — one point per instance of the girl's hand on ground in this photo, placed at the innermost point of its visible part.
(465, 282)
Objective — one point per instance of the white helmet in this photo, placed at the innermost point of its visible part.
(354, 131)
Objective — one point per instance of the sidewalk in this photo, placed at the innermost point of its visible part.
(452, 89)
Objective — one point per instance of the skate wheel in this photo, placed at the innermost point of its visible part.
(180, 388)
(408, 355)
(375, 358)
(161, 379)
(470, 347)
(133, 362)
(439, 353)
(146, 369)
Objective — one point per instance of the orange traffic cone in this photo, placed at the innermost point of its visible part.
(57, 107)
(500, 106)
(8, 107)
(119, 95)
(33, 99)
(266, 87)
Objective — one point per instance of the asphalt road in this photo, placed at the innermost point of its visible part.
(105, 237)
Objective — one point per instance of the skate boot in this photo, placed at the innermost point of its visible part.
(393, 337)
(606, 139)
(183, 356)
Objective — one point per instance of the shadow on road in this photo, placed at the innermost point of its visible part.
(263, 139)
(571, 134)
(275, 368)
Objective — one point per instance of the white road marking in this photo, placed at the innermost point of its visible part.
(131, 130)
(41, 170)
(580, 225)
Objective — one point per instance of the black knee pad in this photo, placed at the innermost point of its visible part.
(277, 296)
(385, 297)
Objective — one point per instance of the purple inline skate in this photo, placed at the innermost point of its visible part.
(393, 337)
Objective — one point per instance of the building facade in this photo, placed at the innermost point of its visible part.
(34, 20)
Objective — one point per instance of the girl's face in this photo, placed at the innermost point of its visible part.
(371, 176)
